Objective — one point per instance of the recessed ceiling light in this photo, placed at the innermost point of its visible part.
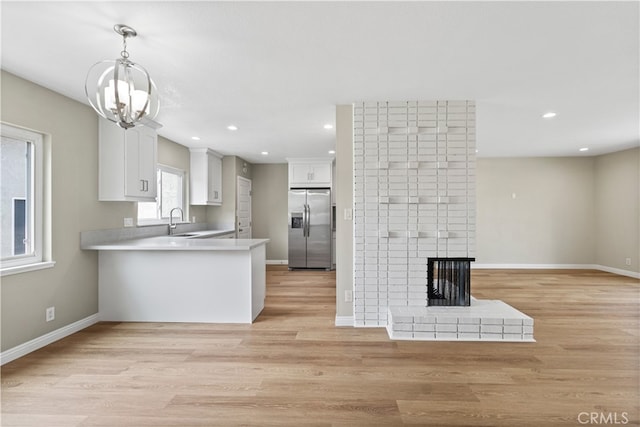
(549, 115)
(265, 153)
(584, 149)
(328, 126)
(332, 151)
(232, 127)
(195, 138)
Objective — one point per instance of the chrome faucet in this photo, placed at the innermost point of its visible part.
(172, 225)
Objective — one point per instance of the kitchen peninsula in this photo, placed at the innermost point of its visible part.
(181, 279)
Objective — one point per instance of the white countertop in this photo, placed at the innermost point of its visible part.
(196, 241)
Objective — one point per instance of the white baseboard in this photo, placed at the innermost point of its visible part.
(344, 320)
(557, 267)
(535, 266)
(618, 271)
(46, 339)
(277, 261)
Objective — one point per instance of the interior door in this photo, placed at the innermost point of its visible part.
(319, 229)
(243, 208)
(297, 229)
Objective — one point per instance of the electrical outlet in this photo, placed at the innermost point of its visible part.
(128, 222)
(348, 296)
(50, 314)
(627, 261)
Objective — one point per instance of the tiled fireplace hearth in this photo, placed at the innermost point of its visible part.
(483, 320)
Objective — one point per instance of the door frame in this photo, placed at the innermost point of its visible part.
(240, 179)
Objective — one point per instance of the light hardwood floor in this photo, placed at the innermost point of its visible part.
(293, 367)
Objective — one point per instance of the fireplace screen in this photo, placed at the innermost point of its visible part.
(449, 281)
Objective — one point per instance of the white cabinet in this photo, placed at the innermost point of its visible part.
(127, 161)
(309, 173)
(206, 177)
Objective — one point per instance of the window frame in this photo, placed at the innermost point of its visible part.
(37, 259)
(159, 220)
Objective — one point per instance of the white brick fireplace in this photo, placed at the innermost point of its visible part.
(414, 180)
(414, 198)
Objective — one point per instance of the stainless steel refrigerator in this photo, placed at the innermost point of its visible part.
(310, 228)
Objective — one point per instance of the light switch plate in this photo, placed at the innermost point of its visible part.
(348, 214)
(128, 222)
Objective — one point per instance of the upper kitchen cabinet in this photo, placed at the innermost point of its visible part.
(206, 177)
(310, 173)
(127, 161)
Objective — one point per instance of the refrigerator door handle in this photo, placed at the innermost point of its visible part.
(307, 211)
(304, 220)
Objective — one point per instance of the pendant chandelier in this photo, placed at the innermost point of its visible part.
(120, 90)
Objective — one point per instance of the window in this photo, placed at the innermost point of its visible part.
(170, 195)
(22, 201)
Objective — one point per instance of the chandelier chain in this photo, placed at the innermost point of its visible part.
(124, 52)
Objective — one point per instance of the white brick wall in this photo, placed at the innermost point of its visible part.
(414, 198)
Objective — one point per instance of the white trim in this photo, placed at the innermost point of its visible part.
(277, 261)
(250, 203)
(8, 271)
(535, 266)
(618, 271)
(44, 340)
(344, 320)
(34, 195)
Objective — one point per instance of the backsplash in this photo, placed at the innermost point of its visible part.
(414, 198)
(94, 237)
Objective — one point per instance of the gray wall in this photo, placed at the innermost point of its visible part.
(344, 200)
(270, 200)
(71, 286)
(551, 220)
(71, 150)
(617, 214)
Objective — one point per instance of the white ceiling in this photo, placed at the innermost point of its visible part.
(277, 69)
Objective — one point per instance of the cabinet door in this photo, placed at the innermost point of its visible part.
(321, 173)
(147, 161)
(206, 177)
(133, 185)
(215, 179)
(299, 173)
(140, 163)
